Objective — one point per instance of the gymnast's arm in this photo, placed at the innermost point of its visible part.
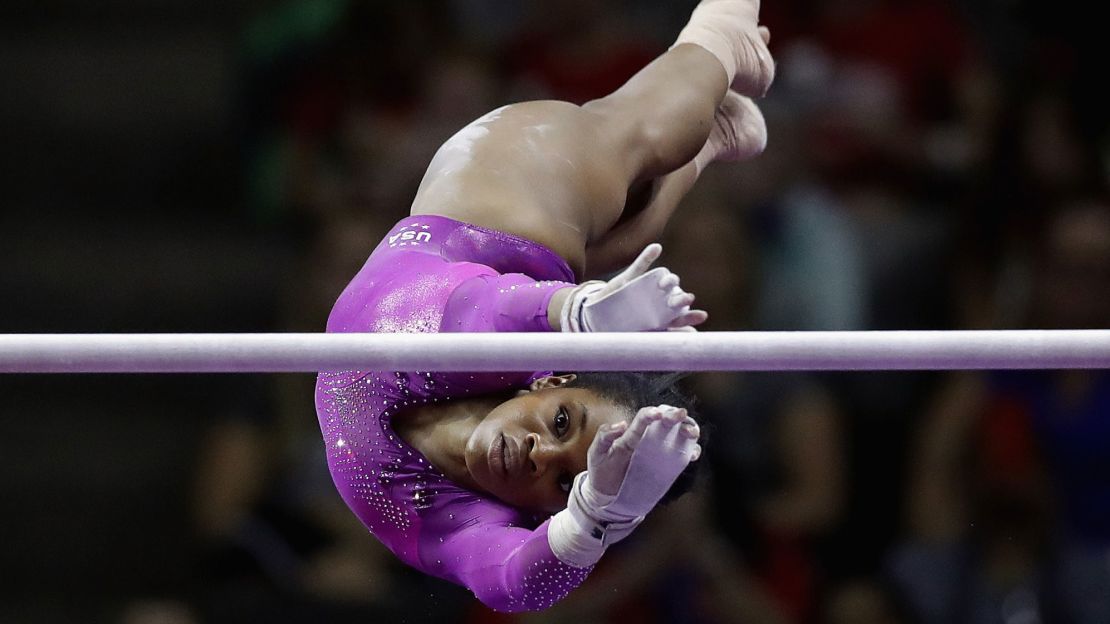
(637, 299)
(511, 302)
(507, 567)
(631, 465)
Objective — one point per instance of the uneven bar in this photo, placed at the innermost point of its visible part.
(670, 351)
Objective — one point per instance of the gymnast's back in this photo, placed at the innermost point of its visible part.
(434, 274)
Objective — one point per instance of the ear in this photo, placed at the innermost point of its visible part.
(552, 381)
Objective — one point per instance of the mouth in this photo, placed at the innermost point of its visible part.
(515, 457)
(497, 456)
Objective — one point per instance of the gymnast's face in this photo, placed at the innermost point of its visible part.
(527, 451)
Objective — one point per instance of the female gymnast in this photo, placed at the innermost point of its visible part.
(514, 484)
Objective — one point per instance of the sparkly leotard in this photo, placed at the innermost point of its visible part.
(433, 274)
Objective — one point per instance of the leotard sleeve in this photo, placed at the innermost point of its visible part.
(510, 302)
(482, 546)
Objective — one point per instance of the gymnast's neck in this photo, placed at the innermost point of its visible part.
(440, 432)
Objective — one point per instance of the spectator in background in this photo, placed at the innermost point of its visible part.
(864, 601)
(321, 76)
(575, 50)
(1029, 535)
(884, 120)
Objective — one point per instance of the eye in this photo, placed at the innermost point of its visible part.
(562, 422)
(565, 481)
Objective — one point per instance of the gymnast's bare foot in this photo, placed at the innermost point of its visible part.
(730, 30)
(739, 132)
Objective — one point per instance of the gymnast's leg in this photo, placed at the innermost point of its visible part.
(559, 174)
(739, 133)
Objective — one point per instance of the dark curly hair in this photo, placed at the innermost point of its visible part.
(636, 390)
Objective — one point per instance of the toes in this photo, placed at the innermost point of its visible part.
(755, 69)
(740, 128)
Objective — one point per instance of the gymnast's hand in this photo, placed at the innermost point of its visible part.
(635, 300)
(630, 467)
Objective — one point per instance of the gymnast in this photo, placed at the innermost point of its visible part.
(514, 484)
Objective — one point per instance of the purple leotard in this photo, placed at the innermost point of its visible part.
(433, 274)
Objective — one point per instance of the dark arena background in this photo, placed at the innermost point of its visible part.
(177, 166)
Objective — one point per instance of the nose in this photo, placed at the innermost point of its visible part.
(541, 454)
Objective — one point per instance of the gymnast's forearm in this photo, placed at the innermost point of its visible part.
(507, 568)
(512, 302)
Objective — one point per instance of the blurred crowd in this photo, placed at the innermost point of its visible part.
(931, 165)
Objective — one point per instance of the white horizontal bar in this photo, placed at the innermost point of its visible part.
(673, 351)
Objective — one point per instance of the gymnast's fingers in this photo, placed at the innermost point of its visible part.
(639, 426)
(690, 428)
(607, 435)
(689, 319)
(642, 263)
(673, 415)
(680, 299)
(692, 432)
(669, 281)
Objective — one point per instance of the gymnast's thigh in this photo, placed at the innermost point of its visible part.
(548, 171)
